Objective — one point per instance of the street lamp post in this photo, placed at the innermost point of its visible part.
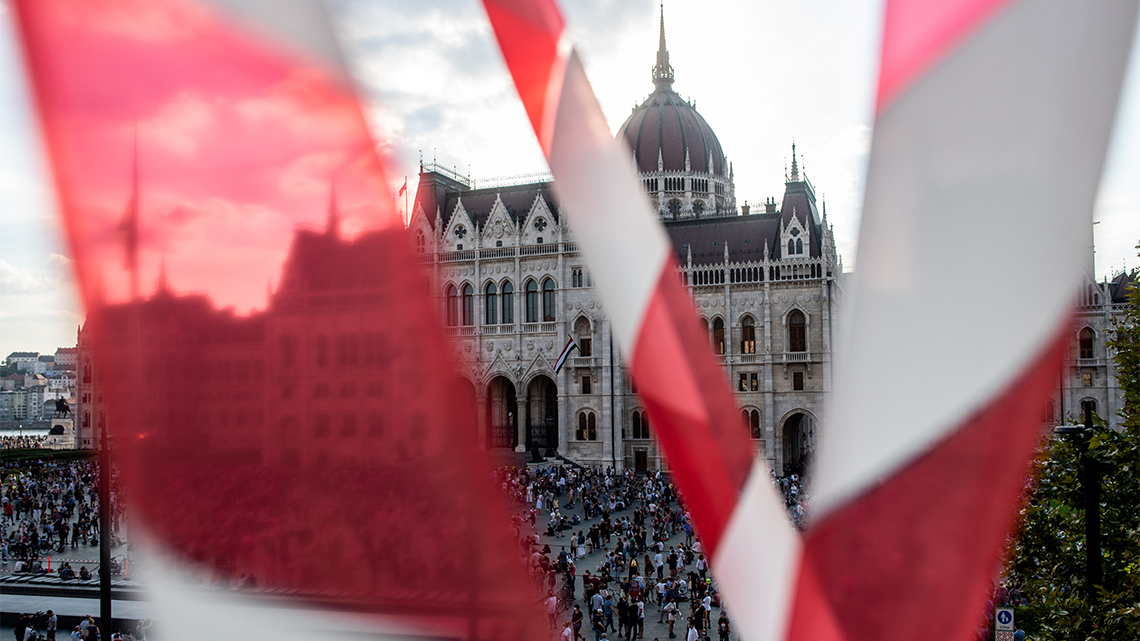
(1090, 484)
(104, 529)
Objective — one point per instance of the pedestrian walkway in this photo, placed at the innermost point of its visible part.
(655, 626)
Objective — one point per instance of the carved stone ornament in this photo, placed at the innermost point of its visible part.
(540, 224)
(460, 231)
(498, 230)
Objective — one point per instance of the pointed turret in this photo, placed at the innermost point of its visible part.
(332, 224)
(163, 285)
(795, 176)
(662, 71)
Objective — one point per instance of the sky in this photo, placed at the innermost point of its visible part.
(763, 73)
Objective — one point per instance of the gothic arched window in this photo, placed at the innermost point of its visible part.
(747, 336)
(468, 304)
(491, 305)
(640, 425)
(583, 337)
(548, 300)
(587, 427)
(1087, 336)
(791, 246)
(797, 332)
(675, 207)
(508, 303)
(718, 336)
(452, 306)
(421, 243)
(531, 301)
(799, 245)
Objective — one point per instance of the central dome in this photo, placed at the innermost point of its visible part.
(665, 129)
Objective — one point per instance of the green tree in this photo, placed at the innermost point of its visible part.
(1048, 559)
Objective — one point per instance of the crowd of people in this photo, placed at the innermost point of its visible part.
(29, 626)
(21, 442)
(796, 499)
(48, 507)
(647, 554)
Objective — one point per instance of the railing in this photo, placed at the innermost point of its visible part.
(797, 357)
(491, 330)
(517, 179)
(447, 172)
(570, 248)
(536, 250)
(540, 328)
(498, 252)
(584, 361)
(464, 330)
(1088, 362)
(747, 358)
(457, 256)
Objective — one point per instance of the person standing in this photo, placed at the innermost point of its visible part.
(723, 627)
(640, 617)
(52, 624)
(599, 625)
(693, 634)
(551, 607)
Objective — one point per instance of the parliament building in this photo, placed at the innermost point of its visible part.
(512, 288)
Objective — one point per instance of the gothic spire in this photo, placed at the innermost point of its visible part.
(332, 224)
(662, 71)
(163, 285)
(795, 166)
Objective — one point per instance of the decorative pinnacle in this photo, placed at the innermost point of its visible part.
(332, 223)
(662, 71)
(795, 166)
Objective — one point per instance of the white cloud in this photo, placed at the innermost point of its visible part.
(17, 280)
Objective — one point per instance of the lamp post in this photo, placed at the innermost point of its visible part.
(104, 529)
(1090, 484)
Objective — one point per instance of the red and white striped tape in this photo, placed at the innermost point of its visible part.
(987, 151)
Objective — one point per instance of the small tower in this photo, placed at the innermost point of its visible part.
(332, 223)
(662, 71)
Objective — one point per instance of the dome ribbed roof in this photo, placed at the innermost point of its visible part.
(665, 126)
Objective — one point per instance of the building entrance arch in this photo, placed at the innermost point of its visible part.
(542, 414)
(798, 434)
(502, 414)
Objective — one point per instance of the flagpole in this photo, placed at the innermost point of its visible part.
(407, 214)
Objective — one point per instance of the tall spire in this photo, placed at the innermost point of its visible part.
(795, 177)
(662, 71)
(332, 225)
(163, 285)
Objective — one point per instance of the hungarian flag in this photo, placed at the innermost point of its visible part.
(303, 437)
(987, 152)
(570, 345)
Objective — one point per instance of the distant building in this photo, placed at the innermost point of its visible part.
(22, 360)
(65, 358)
(1090, 378)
